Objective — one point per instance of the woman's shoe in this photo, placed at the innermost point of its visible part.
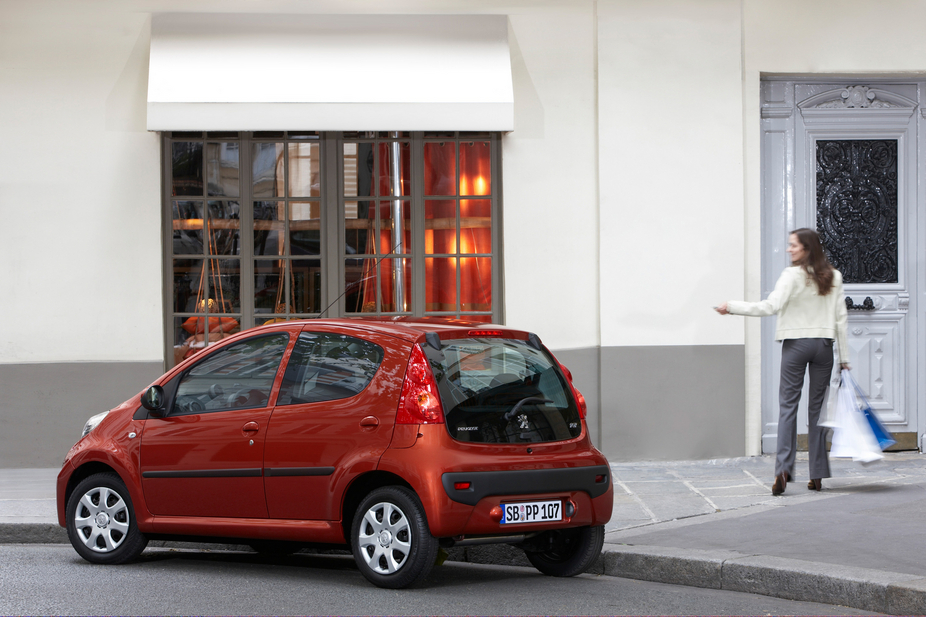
(781, 481)
(815, 484)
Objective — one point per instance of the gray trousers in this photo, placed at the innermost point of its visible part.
(797, 355)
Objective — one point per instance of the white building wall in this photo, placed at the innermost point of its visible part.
(80, 264)
(80, 175)
(631, 192)
(671, 160)
(550, 200)
(81, 309)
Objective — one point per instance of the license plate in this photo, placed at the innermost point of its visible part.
(532, 512)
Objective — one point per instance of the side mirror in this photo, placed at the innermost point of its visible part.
(154, 400)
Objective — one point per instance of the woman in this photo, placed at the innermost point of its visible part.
(808, 299)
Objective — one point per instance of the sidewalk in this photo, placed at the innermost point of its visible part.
(861, 542)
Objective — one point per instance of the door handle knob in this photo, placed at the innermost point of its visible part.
(250, 427)
(867, 304)
(369, 421)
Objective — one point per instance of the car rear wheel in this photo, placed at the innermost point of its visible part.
(568, 552)
(101, 522)
(390, 538)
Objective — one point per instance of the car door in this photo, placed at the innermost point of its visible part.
(204, 458)
(333, 420)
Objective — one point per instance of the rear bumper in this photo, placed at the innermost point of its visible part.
(595, 481)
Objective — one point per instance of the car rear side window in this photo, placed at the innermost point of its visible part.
(326, 367)
(239, 376)
(497, 390)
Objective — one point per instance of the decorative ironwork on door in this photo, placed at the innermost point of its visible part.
(857, 207)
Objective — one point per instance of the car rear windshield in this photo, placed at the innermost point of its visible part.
(499, 390)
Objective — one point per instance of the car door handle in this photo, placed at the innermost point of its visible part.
(250, 428)
(370, 421)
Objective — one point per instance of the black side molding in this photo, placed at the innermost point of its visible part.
(204, 473)
(297, 471)
(529, 482)
(241, 473)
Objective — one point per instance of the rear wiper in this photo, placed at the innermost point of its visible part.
(524, 401)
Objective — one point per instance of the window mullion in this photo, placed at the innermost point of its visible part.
(167, 250)
(418, 221)
(498, 307)
(246, 234)
(333, 219)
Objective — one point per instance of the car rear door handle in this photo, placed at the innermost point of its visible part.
(370, 421)
(250, 428)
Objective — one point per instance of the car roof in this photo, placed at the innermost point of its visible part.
(403, 326)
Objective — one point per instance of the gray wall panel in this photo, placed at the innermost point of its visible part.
(673, 402)
(644, 403)
(44, 406)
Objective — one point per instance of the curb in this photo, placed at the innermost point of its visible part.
(878, 591)
(893, 593)
(32, 533)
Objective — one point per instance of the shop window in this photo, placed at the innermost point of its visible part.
(271, 226)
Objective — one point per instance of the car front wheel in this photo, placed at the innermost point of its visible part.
(101, 522)
(568, 552)
(390, 538)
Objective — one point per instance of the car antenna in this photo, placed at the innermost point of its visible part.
(391, 252)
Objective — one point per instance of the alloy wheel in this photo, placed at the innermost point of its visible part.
(385, 538)
(102, 519)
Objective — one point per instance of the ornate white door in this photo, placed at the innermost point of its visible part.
(841, 158)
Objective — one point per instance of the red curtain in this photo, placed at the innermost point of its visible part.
(475, 273)
(475, 229)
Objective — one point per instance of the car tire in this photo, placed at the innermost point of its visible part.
(570, 552)
(101, 521)
(390, 538)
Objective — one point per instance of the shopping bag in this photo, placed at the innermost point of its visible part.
(852, 437)
(882, 435)
(828, 412)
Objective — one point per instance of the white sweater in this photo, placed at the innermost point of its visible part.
(802, 311)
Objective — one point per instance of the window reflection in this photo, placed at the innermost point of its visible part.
(187, 225)
(267, 170)
(222, 168)
(373, 231)
(187, 168)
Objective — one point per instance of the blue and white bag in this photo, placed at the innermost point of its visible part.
(853, 436)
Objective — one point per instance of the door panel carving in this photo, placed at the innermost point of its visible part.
(874, 341)
(857, 207)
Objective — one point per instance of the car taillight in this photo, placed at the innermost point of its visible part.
(420, 402)
(580, 400)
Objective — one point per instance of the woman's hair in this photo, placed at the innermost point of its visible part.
(815, 263)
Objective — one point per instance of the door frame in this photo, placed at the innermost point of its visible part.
(795, 113)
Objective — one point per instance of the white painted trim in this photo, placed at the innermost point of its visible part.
(329, 72)
(330, 116)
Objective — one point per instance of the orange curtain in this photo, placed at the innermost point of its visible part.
(475, 233)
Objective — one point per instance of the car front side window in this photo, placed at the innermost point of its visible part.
(239, 376)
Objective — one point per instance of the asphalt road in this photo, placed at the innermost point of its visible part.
(53, 580)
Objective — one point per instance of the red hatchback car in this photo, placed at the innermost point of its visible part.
(392, 436)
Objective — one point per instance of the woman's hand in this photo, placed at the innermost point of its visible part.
(844, 366)
(722, 309)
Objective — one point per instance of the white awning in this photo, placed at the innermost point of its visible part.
(245, 72)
